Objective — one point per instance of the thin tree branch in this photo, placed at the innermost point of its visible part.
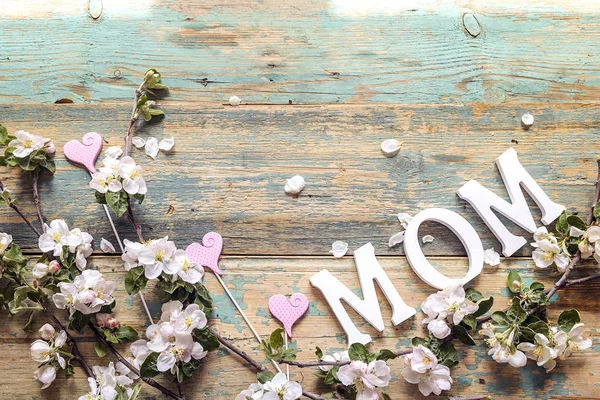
(123, 360)
(136, 226)
(36, 199)
(18, 211)
(588, 278)
(132, 120)
(329, 363)
(313, 396)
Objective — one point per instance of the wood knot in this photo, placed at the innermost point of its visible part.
(471, 24)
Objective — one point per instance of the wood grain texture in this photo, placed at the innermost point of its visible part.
(229, 166)
(253, 280)
(305, 51)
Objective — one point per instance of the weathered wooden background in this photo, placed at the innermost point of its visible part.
(323, 83)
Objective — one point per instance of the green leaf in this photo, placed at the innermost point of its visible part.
(3, 135)
(100, 197)
(484, 306)
(500, 317)
(385, 396)
(149, 368)
(136, 392)
(536, 286)
(358, 352)
(516, 314)
(100, 349)
(126, 333)
(289, 354)
(14, 260)
(577, 222)
(418, 341)
(276, 339)
(562, 225)
(331, 377)
(385, 354)
(470, 321)
(118, 202)
(473, 295)
(514, 282)
(264, 376)
(597, 211)
(207, 340)
(318, 353)
(447, 354)
(461, 333)
(540, 327)
(138, 197)
(78, 321)
(135, 280)
(567, 319)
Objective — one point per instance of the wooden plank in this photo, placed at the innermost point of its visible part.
(230, 164)
(305, 51)
(254, 280)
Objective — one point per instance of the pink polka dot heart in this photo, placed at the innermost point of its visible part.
(84, 153)
(288, 312)
(207, 254)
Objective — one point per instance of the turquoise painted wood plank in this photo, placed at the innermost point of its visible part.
(229, 167)
(302, 51)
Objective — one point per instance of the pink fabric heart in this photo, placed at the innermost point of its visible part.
(207, 254)
(85, 153)
(288, 312)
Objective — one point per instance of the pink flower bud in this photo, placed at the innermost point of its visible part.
(516, 284)
(51, 148)
(54, 267)
(35, 283)
(112, 323)
(47, 332)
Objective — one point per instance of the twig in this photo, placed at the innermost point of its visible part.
(258, 366)
(36, 200)
(469, 398)
(136, 226)
(329, 363)
(123, 360)
(588, 278)
(132, 120)
(18, 211)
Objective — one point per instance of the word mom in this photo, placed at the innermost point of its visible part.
(485, 202)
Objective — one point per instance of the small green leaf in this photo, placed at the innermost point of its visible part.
(484, 306)
(135, 280)
(358, 352)
(562, 225)
(540, 327)
(514, 282)
(536, 286)
(500, 317)
(331, 377)
(207, 340)
(118, 202)
(577, 222)
(318, 353)
(264, 376)
(100, 197)
(149, 368)
(470, 321)
(385, 354)
(276, 339)
(567, 319)
(100, 349)
(78, 321)
(126, 334)
(418, 341)
(473, 295)
(461, 333)
(3, 135)
(516, 314)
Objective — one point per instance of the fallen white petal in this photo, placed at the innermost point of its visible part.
(339, 249)
(527, 120)
(396, 239)
(427, 239)
(404, 219)
(138, 142)
(113, 152)
(490, 257)
(294, 185)
(107, 246)
(234, 101)
(390, 147)
(151, 147)
(166, 144)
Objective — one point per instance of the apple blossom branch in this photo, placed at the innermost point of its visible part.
(18, 211)
(255, 364)
(36, 199)
(330, 363)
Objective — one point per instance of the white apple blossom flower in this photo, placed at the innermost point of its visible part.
(341, 356)
(254, 392)
(87, 293)
(366, 378)
(131, 253)
(185, 268)
(138, 142)
(39, 270)
(548, 253)
(189, 319)
(133, 180)
(287, 390)
(540, 352)
(588, 238)
(448, 305)
(5, 241)
(45, 375)
(81, 246)
(55, 237)
(576, 339)
(107, 246)
(47, 332)
(491, 257)
(502, 348)
(25, 143)
(421, 367)
(439, 328)
(108, 384)
(113, 152)
(104, 182)
(157, 257)
(47, 352)
(542, 234)
(166, 144)
(339, 249)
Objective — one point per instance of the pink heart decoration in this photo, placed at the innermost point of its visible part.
(207, 254)
(288, 312)
(85, 153)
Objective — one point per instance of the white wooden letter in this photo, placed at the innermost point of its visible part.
(461, 228)
(486, 202)
(369, 271)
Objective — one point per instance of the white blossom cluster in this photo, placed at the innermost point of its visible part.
(367, 378)
(118, 174)
(110, 383)
(26, 143)
(446, 308)
(548, 251)
(544, 351)
(279, 388)
(47, 351)
(421, 368)
(87, 293)
(58, 239)
(161, 255)
(590, 241)
(172, 337)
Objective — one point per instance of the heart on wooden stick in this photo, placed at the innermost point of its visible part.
(85, 152)
(207, 254)
(288, 312)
